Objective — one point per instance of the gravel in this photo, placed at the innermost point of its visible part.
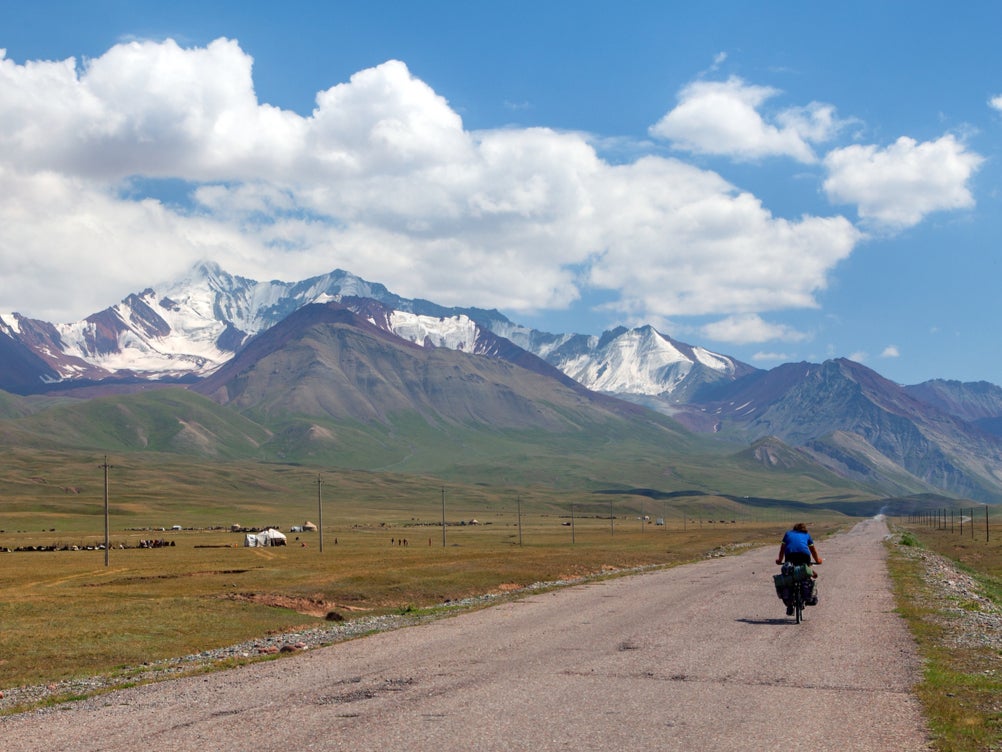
(974, 620)
(690, 657)
(15, 699)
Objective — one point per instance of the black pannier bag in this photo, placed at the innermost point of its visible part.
(799, 575)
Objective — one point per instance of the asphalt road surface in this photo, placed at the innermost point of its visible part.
(700, 657)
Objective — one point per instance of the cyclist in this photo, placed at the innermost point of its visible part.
(797, 548)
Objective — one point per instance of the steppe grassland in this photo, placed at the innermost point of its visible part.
(66, 614)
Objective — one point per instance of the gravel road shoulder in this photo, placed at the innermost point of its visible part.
(694, 657)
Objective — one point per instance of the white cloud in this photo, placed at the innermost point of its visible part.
(996, 102)
(724, 118)
(144, 109)
(381, 179)
(68, 247)
(748, 329)
(816, 122)
(898, 186)
(683, 241)
(891, 351)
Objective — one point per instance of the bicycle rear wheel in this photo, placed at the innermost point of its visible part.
(798, 603)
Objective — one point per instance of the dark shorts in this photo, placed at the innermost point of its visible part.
(798, 558)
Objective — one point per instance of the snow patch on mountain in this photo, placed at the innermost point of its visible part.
(208, 298)
(188, 346)
(9, 324)
(538, 343)
(193, 325)
(712, 360)
(635, 362)
(453, 332)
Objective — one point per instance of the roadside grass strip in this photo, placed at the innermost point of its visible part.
(948, 590)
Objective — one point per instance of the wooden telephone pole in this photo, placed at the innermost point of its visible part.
(107, 517)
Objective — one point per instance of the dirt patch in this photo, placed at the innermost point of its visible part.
(315, 606)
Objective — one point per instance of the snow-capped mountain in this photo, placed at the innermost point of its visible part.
(640, 361)
(838, 414)
(192, 326)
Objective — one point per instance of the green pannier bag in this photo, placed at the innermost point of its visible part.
(783, 584)
(802, 572)
(791, 573)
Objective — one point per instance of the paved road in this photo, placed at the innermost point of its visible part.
(699, 657)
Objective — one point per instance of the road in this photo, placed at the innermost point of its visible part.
(700, 657)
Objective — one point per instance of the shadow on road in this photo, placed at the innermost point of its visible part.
(766, 621)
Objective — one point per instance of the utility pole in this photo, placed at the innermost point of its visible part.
(320, 510)
(518, 504)
(107, 517)
(443, 517)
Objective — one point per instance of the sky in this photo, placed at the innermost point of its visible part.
(774, 181)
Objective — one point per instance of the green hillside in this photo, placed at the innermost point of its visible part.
(162, 420)
(176, 452)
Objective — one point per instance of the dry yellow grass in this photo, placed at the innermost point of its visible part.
(961, 683)
(66, 614)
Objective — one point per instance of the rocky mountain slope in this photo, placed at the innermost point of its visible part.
(243, 342)
(192, 326)
(978, 403)
(863, 426)
(331, 386)
(328, 360)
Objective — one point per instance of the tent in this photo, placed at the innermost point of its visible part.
(269, 537)
(309, 526)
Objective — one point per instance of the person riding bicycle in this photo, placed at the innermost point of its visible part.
(798, 548)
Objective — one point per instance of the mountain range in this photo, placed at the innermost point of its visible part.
(335, 363)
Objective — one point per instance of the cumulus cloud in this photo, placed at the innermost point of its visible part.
(724, 118)
(896, 187)
(749, 329)
(996, 102)
(891, 351)
(383, 179)
(69, 247)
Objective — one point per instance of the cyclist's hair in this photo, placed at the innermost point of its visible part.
(800, 527)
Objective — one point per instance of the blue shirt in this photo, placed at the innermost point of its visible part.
(796, 542)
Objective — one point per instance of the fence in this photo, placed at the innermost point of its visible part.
(953, 520)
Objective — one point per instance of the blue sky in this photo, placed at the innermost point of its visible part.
(774, 181)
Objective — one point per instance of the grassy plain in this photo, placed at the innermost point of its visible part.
(962, 683)
(65, 614)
